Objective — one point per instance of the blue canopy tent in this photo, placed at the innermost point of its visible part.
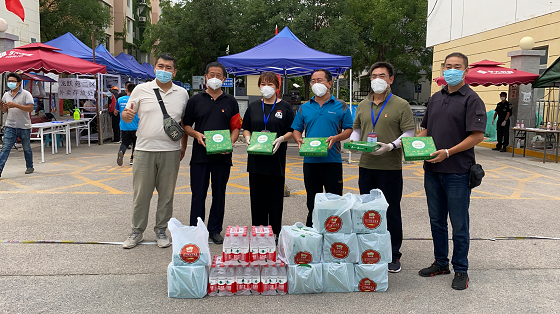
(284, 54)
(149, 68)
(104, 54)
(131, 63)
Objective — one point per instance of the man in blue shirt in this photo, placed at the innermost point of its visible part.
(322, 116)
(128, 130)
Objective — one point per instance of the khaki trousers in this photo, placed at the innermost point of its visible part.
(151, 170)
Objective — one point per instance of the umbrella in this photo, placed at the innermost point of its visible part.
(40, 57)
(488, 73)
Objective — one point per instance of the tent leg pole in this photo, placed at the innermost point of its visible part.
(350, 152)
(337, 81)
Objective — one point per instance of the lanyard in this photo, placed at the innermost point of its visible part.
(265, 118)
(374, 121)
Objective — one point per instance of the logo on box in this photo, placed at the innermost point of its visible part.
(418, 144)
(367, 285)
(303, 258)
(339, 250)
(315, 143)
(371, 219)
(261, 139)
(190, 253)
(218, 138)
(370, 257)
(333, 224)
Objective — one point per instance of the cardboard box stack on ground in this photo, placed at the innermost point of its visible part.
(261, 143)
(418, 148)
(218, 142)
(314, 147)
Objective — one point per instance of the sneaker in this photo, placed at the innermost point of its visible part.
(133, 239)
(217, 238)
(434, 270)
(131, 161)
(496, 148)
(395, 266)
(120, 156)
(29, 170)
(162, 239)
(460, 281)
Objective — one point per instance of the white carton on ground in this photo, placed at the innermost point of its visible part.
(340, 247)
(298, 244)
(375, 248)
(190, 244)
(338, 277)
(369, 213)
(189, 282)
(332, 213)
(306, 278)
(370, 278)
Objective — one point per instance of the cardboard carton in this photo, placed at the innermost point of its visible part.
(261, 143)
(361, 146)
(418, 148)
(218, 142)
(314, 147)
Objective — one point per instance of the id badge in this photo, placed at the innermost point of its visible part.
(372, 137)
(265, 131)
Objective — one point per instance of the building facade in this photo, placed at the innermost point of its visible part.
(28, 31)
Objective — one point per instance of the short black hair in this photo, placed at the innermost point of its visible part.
(458, 55)
(215, 65)
(328, 74)
(127, 82)
(383, 64)
(15, 75)
(130, 87)
(167, 57)
(503, 93)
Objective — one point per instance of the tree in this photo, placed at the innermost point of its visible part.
(80, 17)
(392, 31)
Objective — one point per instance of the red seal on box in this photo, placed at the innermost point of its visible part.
(190, 253)
(303, 258)
(367, 285)
(370, 257)
(371, 219)
(339, 250)
(333, 224)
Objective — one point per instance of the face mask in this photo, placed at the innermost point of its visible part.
(214, 83)
(12, 85)
(378, 85)
(453, 76)
(268, 91)
(319, 89)
(163, 76)
(502, 98)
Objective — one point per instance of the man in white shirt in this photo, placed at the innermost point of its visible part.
(156, 157)
(17, 103)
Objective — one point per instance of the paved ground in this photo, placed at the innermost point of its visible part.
(86, 197)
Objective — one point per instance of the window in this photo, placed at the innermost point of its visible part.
(544, 59)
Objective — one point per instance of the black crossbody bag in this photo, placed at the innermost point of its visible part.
(476, 173)
(170, 126)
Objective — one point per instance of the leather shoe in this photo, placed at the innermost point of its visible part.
(503, 150)
(217, 238)
(496, 148)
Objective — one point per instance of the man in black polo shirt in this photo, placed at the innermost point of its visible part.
(456, 119)
(209, 110)
(503, 111)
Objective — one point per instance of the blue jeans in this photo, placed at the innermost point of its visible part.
(449, 194)
(10, 137)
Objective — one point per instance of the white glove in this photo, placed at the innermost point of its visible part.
(504, 123)
(382, 149)
(356, 135)
(248, 139)
(277, 143)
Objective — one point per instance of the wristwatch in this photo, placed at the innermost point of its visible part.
(394, 146)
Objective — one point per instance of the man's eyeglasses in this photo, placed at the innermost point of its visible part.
(381, 76)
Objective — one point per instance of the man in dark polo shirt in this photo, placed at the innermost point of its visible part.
(456, 119)
(385, 118)
(209, 110)
(503, 110)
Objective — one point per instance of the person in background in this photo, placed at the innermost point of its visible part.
(456, 120)
(115, 119)
(503, 111)
(123, 92)
(322, 116)
(128, 130)
(17, 103)
(267, 173)
(385, 118)
(211, 109)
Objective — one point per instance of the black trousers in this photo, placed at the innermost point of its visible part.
(115, 120)
(267, 200)
(390, 182)
(128, 138)
(319, 175)
(200, 180)
(503, 134)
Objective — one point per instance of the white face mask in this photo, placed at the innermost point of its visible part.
(502, 98)
(214, 83)
(378, 85)
(268, 91)
(319, 89)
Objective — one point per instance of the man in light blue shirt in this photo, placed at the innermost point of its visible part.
(128, 130)
(322, 116)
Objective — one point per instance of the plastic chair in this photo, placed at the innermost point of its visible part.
(59, 140)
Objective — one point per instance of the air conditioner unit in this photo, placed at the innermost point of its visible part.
(142, 19)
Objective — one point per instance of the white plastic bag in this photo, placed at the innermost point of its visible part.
(298, 244)
(375, 248)
(340, 247)
(332, 213)
(188, 282)
(369, 213)
(190, 244)
(338, 277)
(369, 278)
(306, 278)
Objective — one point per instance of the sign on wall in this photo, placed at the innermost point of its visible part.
(74, 88)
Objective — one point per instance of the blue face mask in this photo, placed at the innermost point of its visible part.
(163, 76)
(12, 85)
(453, 76)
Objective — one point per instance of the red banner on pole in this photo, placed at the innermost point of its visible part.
(16, 8)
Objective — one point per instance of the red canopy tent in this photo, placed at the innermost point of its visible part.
(488, 73)
(40, 57)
